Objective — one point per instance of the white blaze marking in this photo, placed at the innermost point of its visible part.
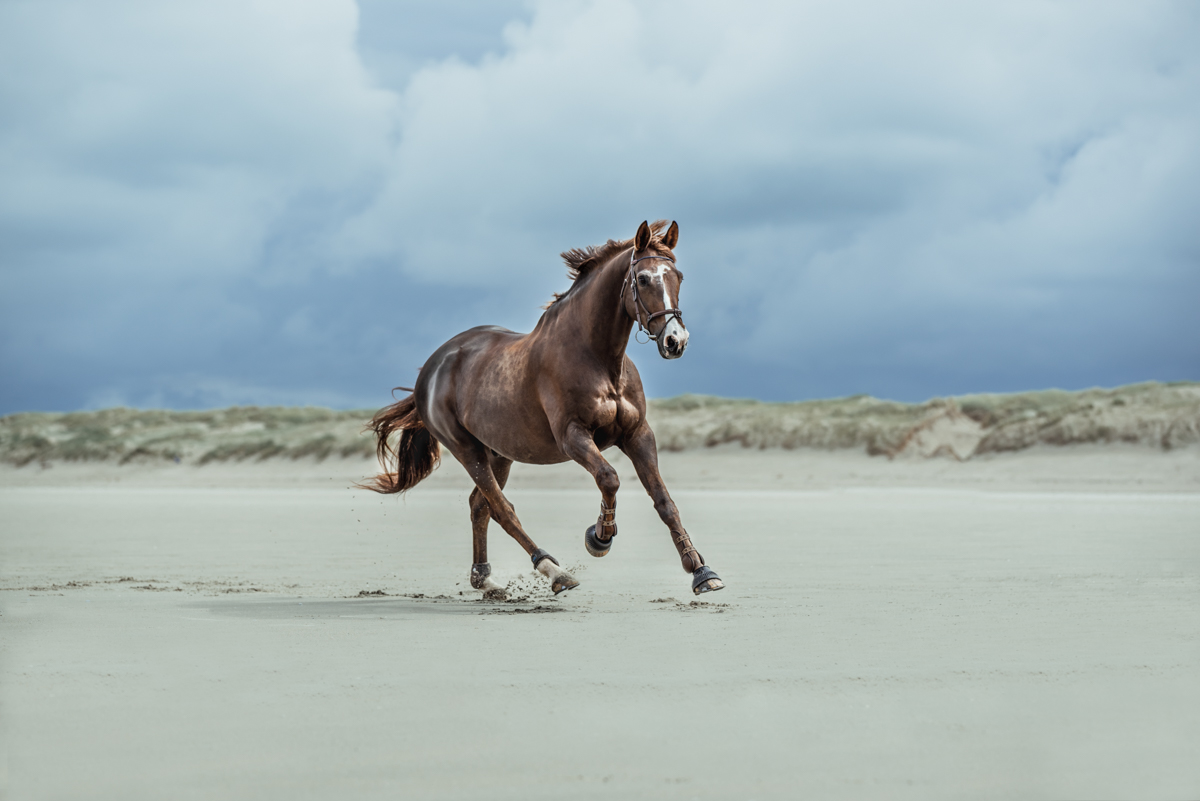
(660, 272)
(661, 275)
(673, 327)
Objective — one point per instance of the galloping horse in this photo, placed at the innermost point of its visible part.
(565, 391)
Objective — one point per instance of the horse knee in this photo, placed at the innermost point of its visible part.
(608, 481)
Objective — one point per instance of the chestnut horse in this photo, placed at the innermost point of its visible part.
(566, 391)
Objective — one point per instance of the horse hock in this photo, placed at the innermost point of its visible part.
(548, 566)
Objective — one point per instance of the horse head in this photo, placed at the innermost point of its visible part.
(653, 296)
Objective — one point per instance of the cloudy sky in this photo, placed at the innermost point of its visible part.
(296, 201)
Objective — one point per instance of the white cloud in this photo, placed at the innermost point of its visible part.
(842, 172)
(884, 198)
(148, 137)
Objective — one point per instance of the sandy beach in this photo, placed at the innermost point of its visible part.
(1020, 625)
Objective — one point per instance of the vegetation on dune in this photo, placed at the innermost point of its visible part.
(1159, 415)
(1163, 416)
(238, 434)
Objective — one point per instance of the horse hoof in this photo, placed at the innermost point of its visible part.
(705, 579)
(563, 582)
(479, 575)
(596, 546)
(495, 594)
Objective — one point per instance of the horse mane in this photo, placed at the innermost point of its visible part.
(582, 261)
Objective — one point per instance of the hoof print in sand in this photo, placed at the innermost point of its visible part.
(692, 606)
(525, 610)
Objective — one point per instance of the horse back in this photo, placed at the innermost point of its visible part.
(484, 381)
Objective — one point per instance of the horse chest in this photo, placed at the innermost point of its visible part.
(615, 413)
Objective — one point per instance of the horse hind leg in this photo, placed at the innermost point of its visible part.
(481, 579)
(481, 571)
(488, 474)
(548, 566)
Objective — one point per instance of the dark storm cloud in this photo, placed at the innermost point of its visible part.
(295, 202)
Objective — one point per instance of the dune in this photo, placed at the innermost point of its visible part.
(1151, 415)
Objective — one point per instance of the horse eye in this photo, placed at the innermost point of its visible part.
(643, 280)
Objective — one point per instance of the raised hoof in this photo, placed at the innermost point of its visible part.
(596, 546)
(705, 579)
(563, 582)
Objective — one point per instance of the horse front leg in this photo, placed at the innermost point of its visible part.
(577, 443)
(642, 451)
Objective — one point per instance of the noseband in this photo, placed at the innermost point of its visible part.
(639, 308)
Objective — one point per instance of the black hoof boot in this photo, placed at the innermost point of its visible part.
(705, 579)
(479, 573)
(596, 546)
(481, 580)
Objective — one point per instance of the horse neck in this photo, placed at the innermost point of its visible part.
(599, 317)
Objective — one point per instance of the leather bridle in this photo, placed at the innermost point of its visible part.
(639, 308)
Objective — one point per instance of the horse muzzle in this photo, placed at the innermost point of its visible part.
(672, 340)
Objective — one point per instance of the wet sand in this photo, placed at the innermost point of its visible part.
(1020, 626)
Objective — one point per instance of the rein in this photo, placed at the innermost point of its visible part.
(639, 308)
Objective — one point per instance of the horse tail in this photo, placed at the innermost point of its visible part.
(417, 453)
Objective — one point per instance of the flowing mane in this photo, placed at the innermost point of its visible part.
(581, 261)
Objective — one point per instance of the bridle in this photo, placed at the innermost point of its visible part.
(639, 308)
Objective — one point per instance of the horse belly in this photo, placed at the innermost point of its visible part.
(521, 440)
(507, 416)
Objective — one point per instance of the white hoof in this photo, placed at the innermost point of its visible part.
(559, 579)
(493, 590)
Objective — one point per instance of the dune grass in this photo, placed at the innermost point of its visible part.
(1153, 414)
(238, 434)
(1156, 415)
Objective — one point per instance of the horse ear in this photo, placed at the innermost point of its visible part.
(641, 239)
(671, 238)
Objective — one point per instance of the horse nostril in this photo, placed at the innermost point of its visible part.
(672, 343)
